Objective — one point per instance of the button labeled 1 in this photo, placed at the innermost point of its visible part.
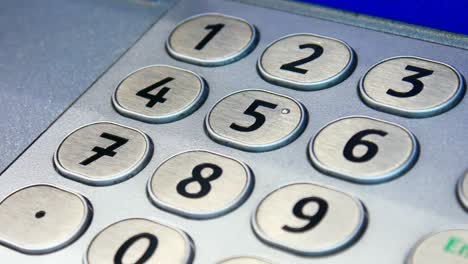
(211, 39)
(306, 62)
(256, 120)
(363, 150)
(103, 153)
(159, 94)
(309, 219)
(41, 219)
(140, 240)
(412, 87)
(448, 247)
(200, 184)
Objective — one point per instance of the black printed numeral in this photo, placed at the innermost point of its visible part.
(155, 98)
(259, 117)
(214, 29)
(356, 140)
(314, 220)
(292, 66)
(204, 183)
(414, 80)
(151, 248)
(109, 151)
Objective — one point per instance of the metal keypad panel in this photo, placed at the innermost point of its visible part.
(412, 87)
(139, 240)
(363, 149)
(244, 260)
(448, 247)
(159, 94)
(211, 39)
(200, 184)
(103, 153)
(40, 219)
(197, 181)
(256, 120)
(307, 219)
(462, 190)
(306, 62)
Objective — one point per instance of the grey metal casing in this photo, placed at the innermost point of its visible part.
(400, 212)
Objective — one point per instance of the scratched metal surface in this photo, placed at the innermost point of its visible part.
(400, 211)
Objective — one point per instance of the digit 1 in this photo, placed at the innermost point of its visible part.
(214, 30)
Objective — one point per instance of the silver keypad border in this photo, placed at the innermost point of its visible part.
(355, 236)
(258, 148)
(401, 202)
(339, 77)
(242, 197)
(461, 193)
(123, 176)
(189, 244)
(88, 212)
(212, 63)
(197, 102)
(413, 113)
(383, 178)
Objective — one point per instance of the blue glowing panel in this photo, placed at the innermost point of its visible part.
(447, 15)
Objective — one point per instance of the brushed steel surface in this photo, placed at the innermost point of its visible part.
(244, 260)
(282, 124)
(227, 192)
(397, 150)
(235, 40)
(174, 246)
(331, 67)
(442, 90)
(187, 91)
(400, 211)
(462, 190)
(436, 248)
(78, 146)
(343, 221)
(40, 219)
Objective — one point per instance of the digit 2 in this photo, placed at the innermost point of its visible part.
(292, 66)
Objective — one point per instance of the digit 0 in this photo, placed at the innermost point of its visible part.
(153, 244)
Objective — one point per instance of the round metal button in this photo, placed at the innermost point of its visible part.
(462, 190)
(412, 87)
(159, 94)
(140, 240)
(244, 260)
(306, 62)
(40, 219)
(363, 149)
(256, 120)
(308, 219)
(200, 184)
(448, 247)
(103, 153)
(211, 39)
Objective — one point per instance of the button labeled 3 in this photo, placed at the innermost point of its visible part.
(448, 247)
(139, 240)
(306, 62)
(159, 94)
(200, 184)
(363, 150)
(256, 120)
(41, 219)
(308, 219)
(463, 190)
(103, 153)
(412, 87)
(211, 39)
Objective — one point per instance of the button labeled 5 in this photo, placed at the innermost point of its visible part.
(256, 120)
(363, 150)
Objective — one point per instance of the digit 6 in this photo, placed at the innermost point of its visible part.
(356, 140)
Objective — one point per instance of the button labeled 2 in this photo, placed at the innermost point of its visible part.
(200, 184)
(309, 219)
(103, 153)
(256, 120)
(412, 87)
(363, 150)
